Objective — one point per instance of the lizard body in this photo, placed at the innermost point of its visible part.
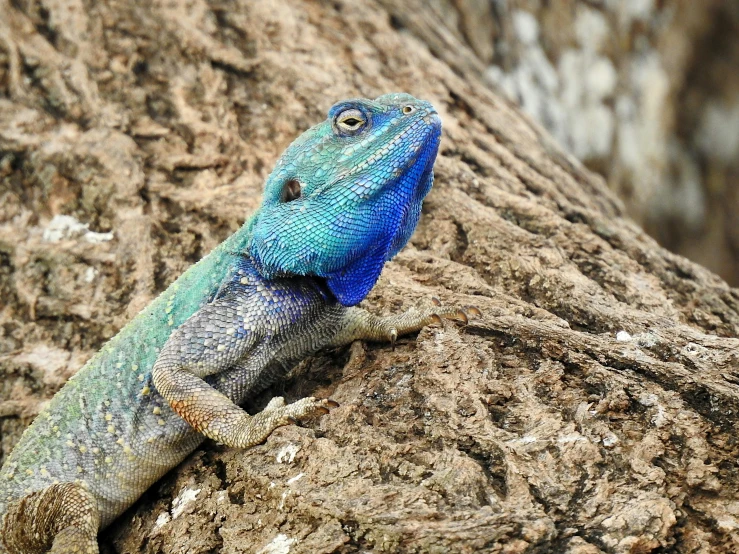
(342, 200)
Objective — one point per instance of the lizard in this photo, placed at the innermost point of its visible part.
(342, 200)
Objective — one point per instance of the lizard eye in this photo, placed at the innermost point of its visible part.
(350, 121)
(407, 110)
(291, 191)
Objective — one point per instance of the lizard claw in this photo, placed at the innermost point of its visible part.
(461, 316)
(274, 403)
(435, 301)
(457, 314)
(307, 407)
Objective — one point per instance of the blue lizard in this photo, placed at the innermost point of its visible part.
(343, 199)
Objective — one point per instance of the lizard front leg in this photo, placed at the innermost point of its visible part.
(236, 338)
(359, 324)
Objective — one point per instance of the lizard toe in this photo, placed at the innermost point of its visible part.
(274, 403)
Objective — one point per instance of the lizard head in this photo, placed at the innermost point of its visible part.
(346, 196)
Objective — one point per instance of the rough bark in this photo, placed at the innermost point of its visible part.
(591, 409)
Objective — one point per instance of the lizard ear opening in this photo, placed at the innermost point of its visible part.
(291, 190)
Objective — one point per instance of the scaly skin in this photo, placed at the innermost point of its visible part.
(342, 200)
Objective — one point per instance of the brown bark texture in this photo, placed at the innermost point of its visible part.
(592, 408)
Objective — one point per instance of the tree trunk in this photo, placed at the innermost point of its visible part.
(592, 408)
(645, 93)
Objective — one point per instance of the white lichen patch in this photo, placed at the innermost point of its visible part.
(569, 99)
(186, 496)
(295, 479)
(526, 27)
(647, 340)
(96, 238)
(728, 524)
(660, 417)
(610, 440)
(62, 227)
(279, 545)
(695, 351)
(623, 336)
(718, 136)
(286, 454)
(68, 227)
(283, 497)
(629, 11)
(162, 520)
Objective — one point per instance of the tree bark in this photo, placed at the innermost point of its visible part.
(592, 408)
(645, 93)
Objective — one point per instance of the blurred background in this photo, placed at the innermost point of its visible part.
(645, 92)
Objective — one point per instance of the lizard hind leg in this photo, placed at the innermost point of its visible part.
(60, 519)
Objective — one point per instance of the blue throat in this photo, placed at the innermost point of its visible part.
(354, 214)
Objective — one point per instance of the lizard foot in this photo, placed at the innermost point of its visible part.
(71, 540)
(359, 324)
(278, 414)
(417, 318)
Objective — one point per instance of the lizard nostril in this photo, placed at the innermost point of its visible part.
(291, 191)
